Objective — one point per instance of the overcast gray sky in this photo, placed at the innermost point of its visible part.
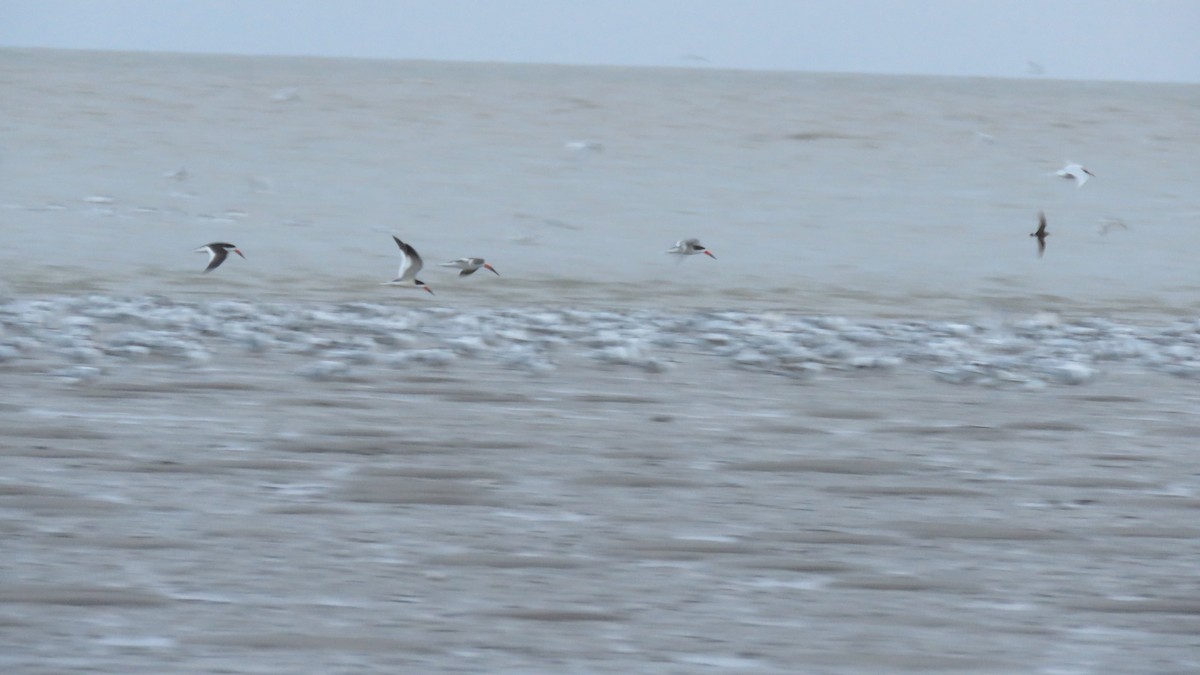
(1155, 40)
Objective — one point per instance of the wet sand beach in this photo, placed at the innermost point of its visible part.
(465, 515)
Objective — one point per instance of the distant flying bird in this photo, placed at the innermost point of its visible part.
(1041, 233)
(217, 252)
(1110, 224)
(1075, 172)
(981, 137)
(690, 247)
(410, 264)
(584, 146)
(469, 266)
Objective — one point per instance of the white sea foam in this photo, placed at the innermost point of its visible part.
(90, 335)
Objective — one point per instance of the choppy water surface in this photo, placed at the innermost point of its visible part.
(878, 434)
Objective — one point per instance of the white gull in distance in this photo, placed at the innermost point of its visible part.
(690, 247)
(1075, 172)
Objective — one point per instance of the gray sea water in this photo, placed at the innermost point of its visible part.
(877, 434)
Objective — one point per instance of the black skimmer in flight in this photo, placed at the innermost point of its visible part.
(1075, 172)
(690, 247)
(1041, 233)
(410, 264)
(469, 266)
(217, 252)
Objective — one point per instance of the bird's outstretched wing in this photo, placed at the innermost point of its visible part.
(410, 261)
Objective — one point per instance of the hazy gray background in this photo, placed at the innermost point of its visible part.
(1072, 39)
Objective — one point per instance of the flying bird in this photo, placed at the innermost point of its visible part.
(410, 264)
(1075, 172)
(469, 266)
(1041, 233)
(1110, 224)
(584, 146)
(690, 247)
(217, 252)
